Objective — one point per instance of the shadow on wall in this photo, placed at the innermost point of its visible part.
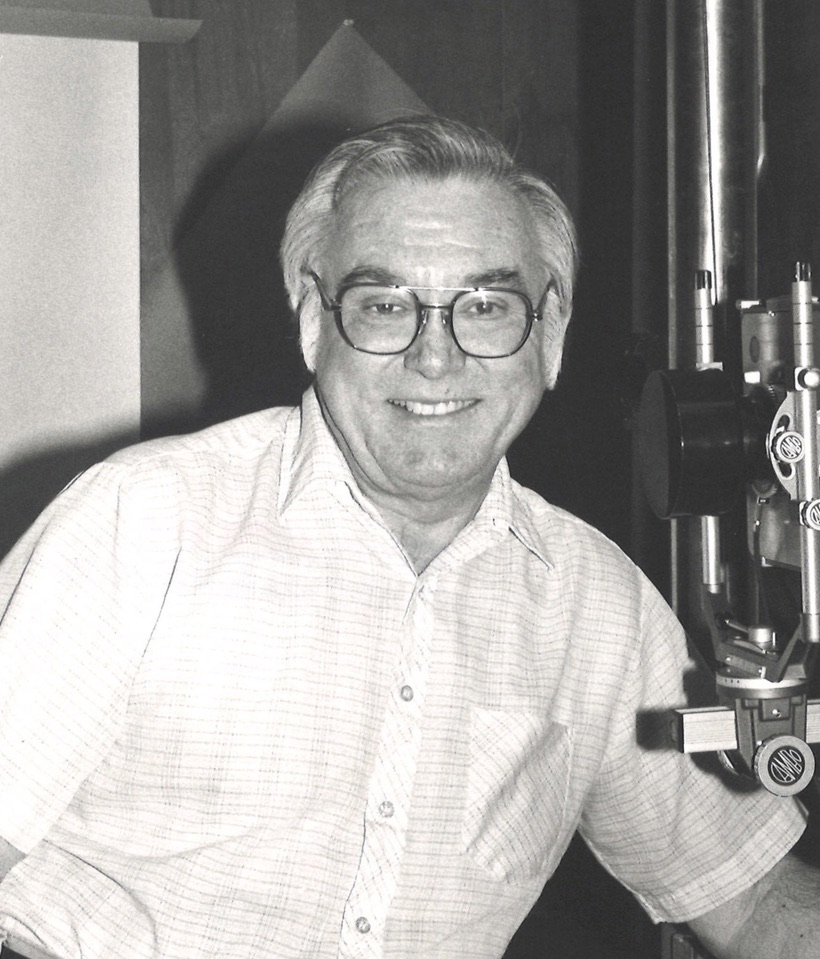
(226, 256)
(246, 342)
(30, 482)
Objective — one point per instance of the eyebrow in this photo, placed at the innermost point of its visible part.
(501, 276)
(371, 274)
(498, 277)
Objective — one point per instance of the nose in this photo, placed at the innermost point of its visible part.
(434, 353)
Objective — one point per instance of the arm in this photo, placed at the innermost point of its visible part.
(778, 916)
(79, 596)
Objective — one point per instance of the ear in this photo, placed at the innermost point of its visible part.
(556, 320)
(309, 313)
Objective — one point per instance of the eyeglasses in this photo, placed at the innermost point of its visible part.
(485, 322)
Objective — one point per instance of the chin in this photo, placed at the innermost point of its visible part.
(442, 476)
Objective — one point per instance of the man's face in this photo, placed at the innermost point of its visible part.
(429, 424)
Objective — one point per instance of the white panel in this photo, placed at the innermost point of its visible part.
(69, 244)
(97, 19)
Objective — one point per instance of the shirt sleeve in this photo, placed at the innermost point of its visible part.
(682, 834)
(79, 595)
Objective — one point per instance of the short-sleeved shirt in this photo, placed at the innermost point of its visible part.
(236, 723)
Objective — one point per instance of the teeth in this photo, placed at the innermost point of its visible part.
(433, 409)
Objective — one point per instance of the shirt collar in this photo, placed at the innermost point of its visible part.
(505, 511)
(311, 458)
(312, 461)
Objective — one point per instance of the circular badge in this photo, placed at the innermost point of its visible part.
(810, 514)
(784, 765)
(787, 447)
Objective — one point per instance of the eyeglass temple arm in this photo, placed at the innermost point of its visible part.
(327, 303)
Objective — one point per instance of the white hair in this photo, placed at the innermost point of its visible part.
(426, 148)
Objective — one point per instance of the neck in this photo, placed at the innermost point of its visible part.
(424, 519)
(424, 533)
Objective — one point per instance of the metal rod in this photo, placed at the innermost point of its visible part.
(713, 577)
(704, 320)
(808, 483)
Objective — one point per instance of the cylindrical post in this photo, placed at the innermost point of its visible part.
(806, 382)
(713, 577)
(704, 320)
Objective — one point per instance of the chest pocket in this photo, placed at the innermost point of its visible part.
(517, 794)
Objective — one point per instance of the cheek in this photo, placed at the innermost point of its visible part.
(335, 363)
(348, 382)
(523, 391)
(527, 379)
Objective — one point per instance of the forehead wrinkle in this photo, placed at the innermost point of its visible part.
(501, 276)
(428, 238)
(371, 274)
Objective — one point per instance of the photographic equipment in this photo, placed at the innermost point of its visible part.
(705, 446)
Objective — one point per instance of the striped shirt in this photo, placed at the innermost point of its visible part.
(235, 723)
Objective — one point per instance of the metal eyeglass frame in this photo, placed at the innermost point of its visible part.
(534, 315)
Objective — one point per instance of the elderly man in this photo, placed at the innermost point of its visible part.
(325, 681)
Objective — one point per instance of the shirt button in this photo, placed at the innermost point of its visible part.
(362, 925)
(386, 809)
(406, 693)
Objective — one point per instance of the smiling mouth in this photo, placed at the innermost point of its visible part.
(433, 409)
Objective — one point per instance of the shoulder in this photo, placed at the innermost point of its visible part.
(625, 647)
(567, 541)
(599, 583)
(244, 438)
(147, 493)
(227, 455)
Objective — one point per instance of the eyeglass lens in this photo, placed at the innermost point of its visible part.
(485, 323)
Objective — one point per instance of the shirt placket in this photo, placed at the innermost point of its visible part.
(386, 816)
